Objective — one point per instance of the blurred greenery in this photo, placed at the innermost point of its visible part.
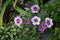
(3, 10)
(55, 34)
(10, 31)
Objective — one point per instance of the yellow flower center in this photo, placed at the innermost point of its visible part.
(18, 21)
(42, 26)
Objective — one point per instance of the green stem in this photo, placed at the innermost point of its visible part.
(1, 21)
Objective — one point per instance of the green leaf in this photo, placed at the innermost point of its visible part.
(20, 10)
(4, 7)
(36, 1)
(3, 10)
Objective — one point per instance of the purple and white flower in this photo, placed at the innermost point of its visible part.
(35, 20)
(27, 21)
(42, 27)
(18, 21)
(35, 9)
(48, 22)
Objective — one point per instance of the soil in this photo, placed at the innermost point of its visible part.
(45, 35)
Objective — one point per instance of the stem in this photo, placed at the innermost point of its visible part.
(15, 3)
(1, 21)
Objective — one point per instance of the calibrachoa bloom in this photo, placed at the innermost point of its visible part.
(42, 27)
(35, 20)
(48, 22)
(27, 21)
(35, 9)
(18, 21)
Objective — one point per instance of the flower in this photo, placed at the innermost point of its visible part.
(35, 20)
(48, 22)
(18, 21)
(27, 21)
(42, 27)
(35, 9)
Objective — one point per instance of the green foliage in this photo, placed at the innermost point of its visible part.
(3, 10)
(29, 32)
(55, 34)
(12, 32)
